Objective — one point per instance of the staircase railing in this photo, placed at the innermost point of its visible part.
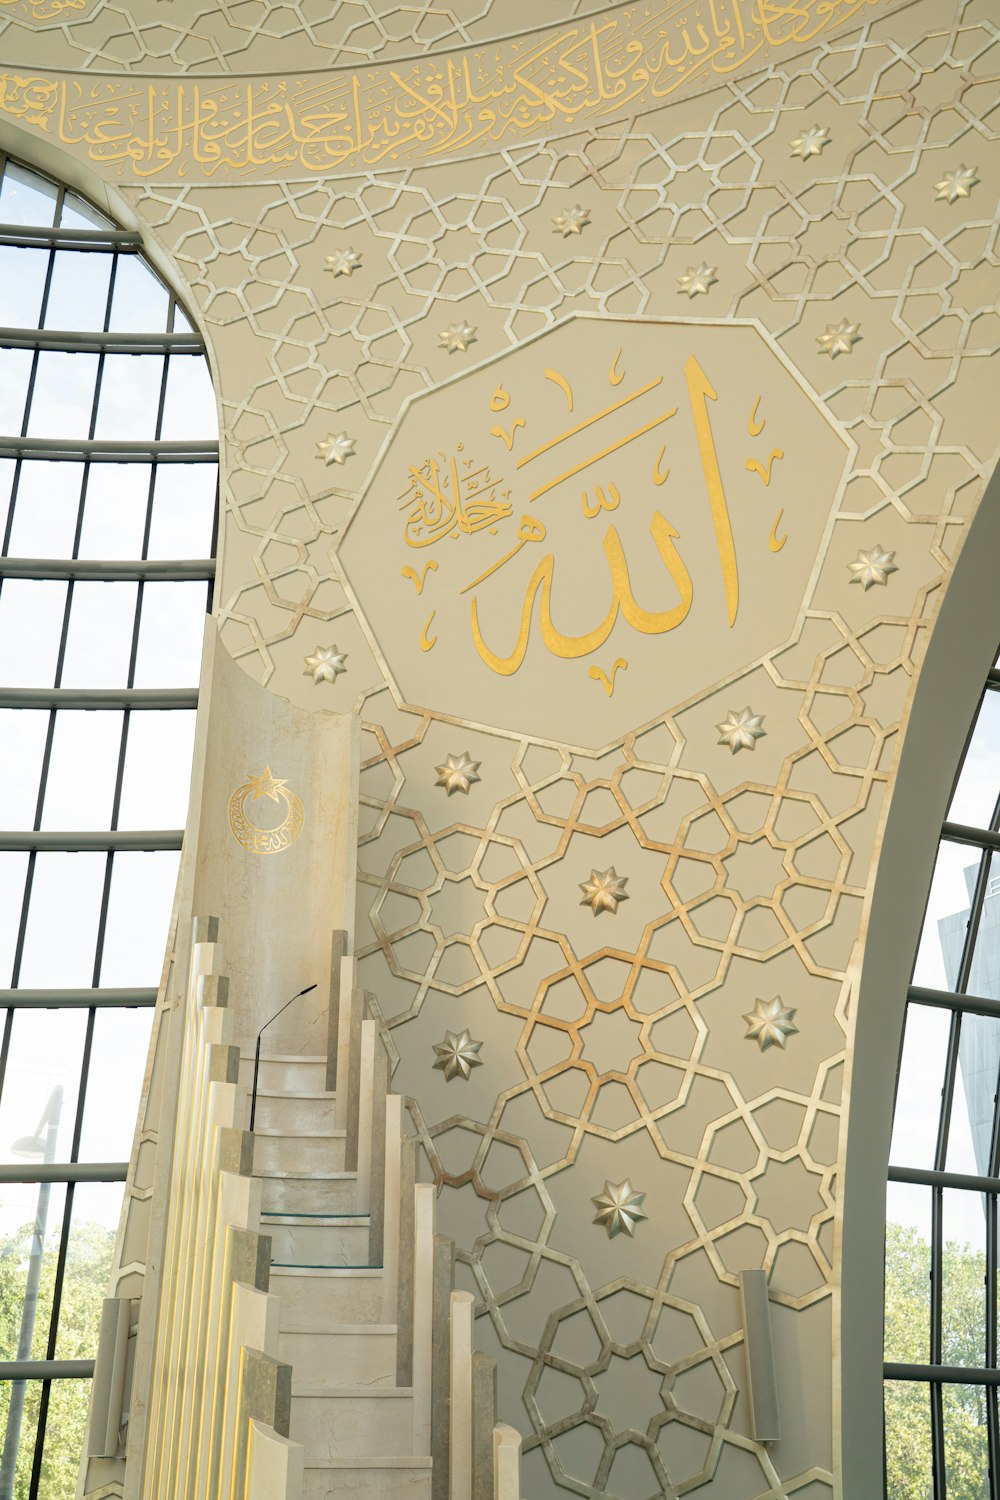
(256, 1056)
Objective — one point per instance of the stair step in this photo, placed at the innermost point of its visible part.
(301, 1154)
(348, 1353)
(325, 1193)
(326, 1296)
(329, 1241)
(353, 1421)
(402, 1478)
(286, 1112)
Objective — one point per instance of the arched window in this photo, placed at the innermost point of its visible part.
(108, 484)
(941, 1371)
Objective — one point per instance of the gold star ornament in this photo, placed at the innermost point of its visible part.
(326, 664)
(457, 337)
(571, 220)
(873, 568)
(811, 142)
(839, 338)
(619, 1208)
(604, 890)
(457, 1055)
(956, 184)
(697, 280)
(741, 731)
(458, 773)
(265, 785)
(770, 1024)
(343, 262)
(336, 448)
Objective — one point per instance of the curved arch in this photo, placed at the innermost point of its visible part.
(960, 652)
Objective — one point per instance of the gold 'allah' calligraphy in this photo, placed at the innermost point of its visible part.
(254, 838)
(424, 109)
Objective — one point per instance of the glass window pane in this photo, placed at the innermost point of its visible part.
(62, 399)
(90, 1251)
(41, 1085)
(978, 787)
(907, 1273)
(22, 285)
(183, 510)
(28, 1396)
(142, 895)
(61, 936)
(114, 518)
(78, 214)
(83, 769)
(13, 867)
(171, 631)
(22, 740)
(918, 1092)
(141, 302)
(31, 1216)
(31, 621)
(189, 408)
(984, 976)
(130, 397)
(182, 323)
(99, 643)
(64, 1433)
(963, 1282)
(15, 372)
(78, 294)
(114, 1084)
(966, 1456)
(46, 509)
(970, 1136)
(157, 778)
(27, 198)
(908, 1440)
(940, 953)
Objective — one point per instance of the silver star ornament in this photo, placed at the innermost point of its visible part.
(325, 664)
(872, 568)
(458, 773)
(697, 280)
(457, 1055)
(839, 338)
(604, 890)
(619, 1208)
(343, 262)
(811, 142)
(335, 448)
(958, 183)
(457, 337)
(741, 731)
(770, 1024)
(571, 220)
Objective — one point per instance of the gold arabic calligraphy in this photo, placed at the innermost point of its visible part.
(425, 109)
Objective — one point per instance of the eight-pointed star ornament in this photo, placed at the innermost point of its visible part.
(571, 220)
(958, 183)
(839, 338)
(325, 665)
(811, 142)
(458, 772)
(873, 567)
(770, 1024)
(343, 262)
(741, 731)
(457, 337)
(604, 890)
(336, 448)
(697, 279)
(619, 1208)
(457, 1055)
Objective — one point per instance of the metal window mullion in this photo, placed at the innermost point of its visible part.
(993, 1440)
(937, 1442)
(948, 1091)
(43, 1417)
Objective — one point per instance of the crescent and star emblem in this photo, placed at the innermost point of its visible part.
(265, 840)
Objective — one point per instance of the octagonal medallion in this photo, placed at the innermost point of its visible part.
(570, 539)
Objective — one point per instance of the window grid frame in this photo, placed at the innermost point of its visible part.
(166, 346)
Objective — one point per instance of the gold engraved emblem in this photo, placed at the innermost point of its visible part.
(265, 840)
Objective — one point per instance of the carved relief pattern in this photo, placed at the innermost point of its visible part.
(617, 1051)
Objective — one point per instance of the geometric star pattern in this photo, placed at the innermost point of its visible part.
(839, 338)
(619, 1208)
(325, 664)
(872, 567)
(770, 1024)
(604, 890)
(742, 730)
(457, 1055)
